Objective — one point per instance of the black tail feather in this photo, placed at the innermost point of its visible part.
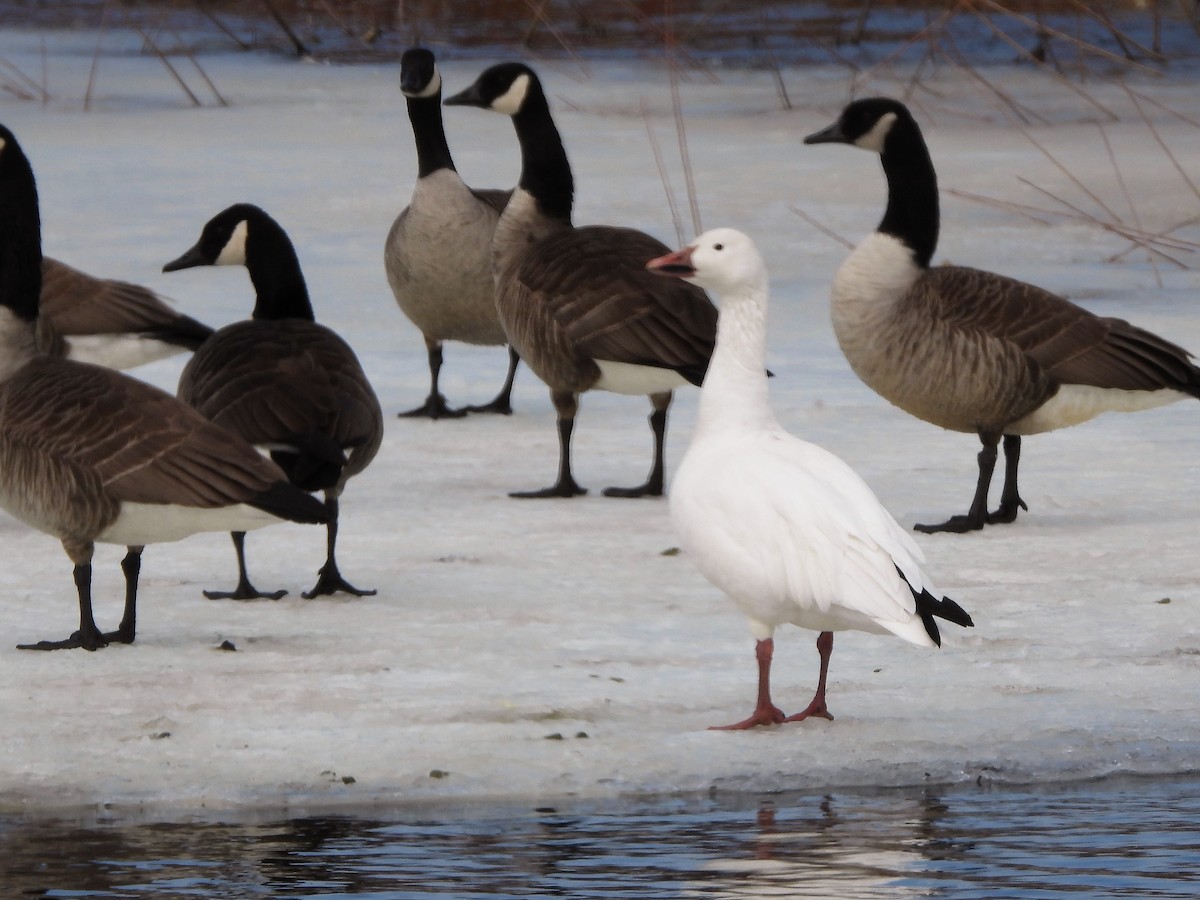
(928, 606)
(287, 502)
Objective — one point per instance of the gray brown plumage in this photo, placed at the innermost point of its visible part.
(282, 381)
(88, 454)
(438, 251)
(129, 324)
(971, 350)
(577, 303)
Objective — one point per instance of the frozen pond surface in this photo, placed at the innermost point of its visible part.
(1128, 838)
(525, 649)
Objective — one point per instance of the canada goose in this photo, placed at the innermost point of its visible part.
(578, 303)
(108, 322)
(970, 350)
(438, 251)
(785, 528)
(280, 380)
(88, 454)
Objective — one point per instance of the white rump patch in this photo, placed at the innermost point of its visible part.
(118, 351)
(156, 523)
(510, 101)
(1075, 403)
(873, 139)
(234, 251)
(629, 378)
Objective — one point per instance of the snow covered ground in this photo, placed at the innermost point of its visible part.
(522, 648)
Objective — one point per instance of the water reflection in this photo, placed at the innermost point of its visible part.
(1132, 838)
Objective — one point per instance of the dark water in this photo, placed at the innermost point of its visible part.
(1130, 838)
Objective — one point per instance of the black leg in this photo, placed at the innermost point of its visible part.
(330, 580)
(566, 405)
(434, 406)
(1010, 499)
(502, 404)
(131, 566)
(658, 426)
(244, 590)
(88, 637)
(976, 516)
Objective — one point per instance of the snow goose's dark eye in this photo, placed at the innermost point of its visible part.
(718, 246)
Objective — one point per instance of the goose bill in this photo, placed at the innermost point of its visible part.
(677, 264)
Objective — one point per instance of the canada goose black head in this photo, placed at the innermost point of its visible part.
(865, 123)
(419, 75)
(21, 265)
(886, 127)
(245, 235)
(510, 88)
(222, 241)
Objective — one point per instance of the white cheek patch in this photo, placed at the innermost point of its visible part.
(234, 251)
(510, 101)
(873, 139)
(431, 89)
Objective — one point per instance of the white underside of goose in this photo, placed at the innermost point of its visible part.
(156, 523)
(630, 378)
(1075, 403)
(793, 535)
(118, 351)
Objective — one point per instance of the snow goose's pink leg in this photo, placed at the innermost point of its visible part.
(817, 706)
(765, 712)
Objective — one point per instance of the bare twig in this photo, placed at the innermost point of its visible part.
(1142, 240)
(170, 68)
(1133, 211)
(680, 128)
(1063, 36)
(1161, 143)
(1070, 175)
(1033, 213)
(828, 232)
(1040, 63)
(301, 50)
(663, 175)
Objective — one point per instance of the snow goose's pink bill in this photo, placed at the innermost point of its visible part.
(784, 528)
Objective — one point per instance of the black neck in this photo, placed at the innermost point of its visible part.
(20, 236)
(433, 153)
(545, 170)
(276, 275)
(912, 209)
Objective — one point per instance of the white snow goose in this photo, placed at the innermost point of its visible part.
(88, 454)
(438, 252)
(281, 381)
(577, 303)
(970, 350)
(786, 529)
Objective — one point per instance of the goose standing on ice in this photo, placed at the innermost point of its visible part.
(785, 528)
(438, 251)
(109, 322)
(280, 380)
(577, 303)
(970, 350)
(88, 454)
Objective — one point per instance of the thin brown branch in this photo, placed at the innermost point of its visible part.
(1044, 66)
(1070, 175)
(663, 176)
(828, 232)
(1033, 213)
(1063, 36)
(1161, 143)
(1133, 211)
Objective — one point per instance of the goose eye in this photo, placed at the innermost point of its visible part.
(718, 246)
